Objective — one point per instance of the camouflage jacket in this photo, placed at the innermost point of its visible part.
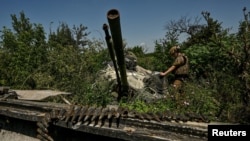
(182, 65)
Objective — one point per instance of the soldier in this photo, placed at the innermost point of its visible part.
(179, 68)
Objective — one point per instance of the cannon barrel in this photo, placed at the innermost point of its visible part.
(115, 28)
(112, 54)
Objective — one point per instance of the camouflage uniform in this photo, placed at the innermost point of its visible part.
(181, 71)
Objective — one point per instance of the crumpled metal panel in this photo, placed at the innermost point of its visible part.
(37, 94)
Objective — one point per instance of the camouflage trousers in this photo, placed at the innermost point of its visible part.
(178, 92)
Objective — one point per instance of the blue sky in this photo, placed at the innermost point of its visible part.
(142, 21)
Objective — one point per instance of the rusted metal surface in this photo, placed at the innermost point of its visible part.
(111, 121)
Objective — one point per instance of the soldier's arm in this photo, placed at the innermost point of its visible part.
(168, 71)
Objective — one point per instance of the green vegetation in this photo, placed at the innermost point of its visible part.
(219, 84)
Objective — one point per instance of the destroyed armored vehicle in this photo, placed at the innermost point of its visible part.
(131, 79)
(144, 84)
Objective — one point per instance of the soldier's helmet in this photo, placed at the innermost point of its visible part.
(174, 49)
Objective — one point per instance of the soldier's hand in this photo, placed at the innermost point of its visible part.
(162, 74)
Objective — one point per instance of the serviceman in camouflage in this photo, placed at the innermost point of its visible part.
(180, 68)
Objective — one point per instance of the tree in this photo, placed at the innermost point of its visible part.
(24, 50)
(80, 36)
(183, 26)
(244, 55)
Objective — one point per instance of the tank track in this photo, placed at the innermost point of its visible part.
(91, 119)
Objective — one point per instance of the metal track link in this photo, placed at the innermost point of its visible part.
(113, 121)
